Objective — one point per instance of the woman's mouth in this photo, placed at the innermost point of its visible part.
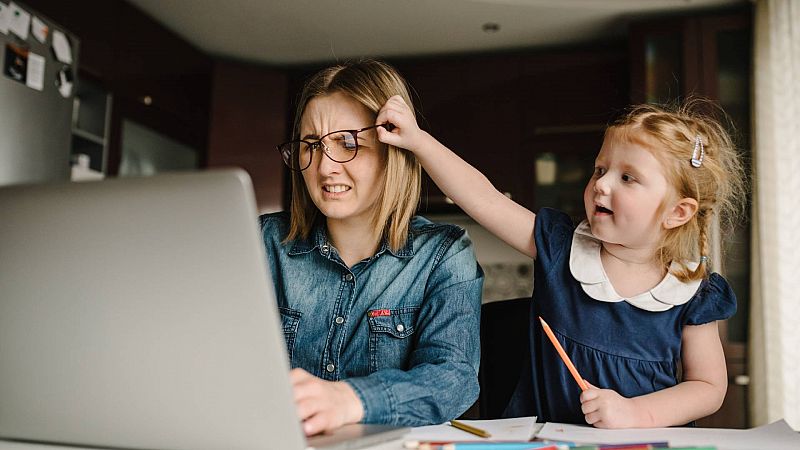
(335, 188)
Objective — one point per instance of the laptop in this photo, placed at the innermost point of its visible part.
(138, 313)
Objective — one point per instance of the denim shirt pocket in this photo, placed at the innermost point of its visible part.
(290, 320)
(390, 337)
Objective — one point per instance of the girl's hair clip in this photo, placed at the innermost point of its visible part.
(704, 259)
(699, 152)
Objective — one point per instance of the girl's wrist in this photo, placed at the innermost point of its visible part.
(643, 417)
(422, 143)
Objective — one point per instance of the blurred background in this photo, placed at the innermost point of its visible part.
(521, 89)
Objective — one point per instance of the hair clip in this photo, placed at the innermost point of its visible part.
(699, 152)
(704, 259)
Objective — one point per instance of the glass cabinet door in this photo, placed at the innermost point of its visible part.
(147, 152)
(663, 65)
(563, 164)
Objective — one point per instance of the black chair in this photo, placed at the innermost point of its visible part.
(505, 350)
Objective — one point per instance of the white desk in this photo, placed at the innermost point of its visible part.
(511, 429)
(774, 436)
(6, 445)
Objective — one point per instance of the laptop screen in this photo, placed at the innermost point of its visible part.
(138, 313)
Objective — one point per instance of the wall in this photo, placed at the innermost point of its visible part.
(508, 273)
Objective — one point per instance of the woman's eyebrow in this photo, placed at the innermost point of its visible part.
(310, 136)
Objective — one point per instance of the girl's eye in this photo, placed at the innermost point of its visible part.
(628, 178)
(599, 171)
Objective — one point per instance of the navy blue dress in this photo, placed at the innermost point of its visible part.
(613, 345)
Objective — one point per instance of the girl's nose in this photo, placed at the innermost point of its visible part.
(601, 185)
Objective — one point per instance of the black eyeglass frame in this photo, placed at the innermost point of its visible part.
(317, 143)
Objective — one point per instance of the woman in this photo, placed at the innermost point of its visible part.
(380, 309)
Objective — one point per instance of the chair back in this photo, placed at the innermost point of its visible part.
(505, 349)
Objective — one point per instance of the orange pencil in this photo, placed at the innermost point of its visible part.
(563, 355)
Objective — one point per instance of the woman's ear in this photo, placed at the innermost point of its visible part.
(680, 213)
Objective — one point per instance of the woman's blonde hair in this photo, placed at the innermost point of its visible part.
(371, 83)
(718, 184)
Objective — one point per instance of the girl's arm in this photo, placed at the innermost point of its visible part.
(464, 184)
(705, 382)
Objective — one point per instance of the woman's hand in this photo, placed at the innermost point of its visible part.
(406, 133)
(605, 408)
(324, 405)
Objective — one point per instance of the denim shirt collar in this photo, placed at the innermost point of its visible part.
(318, 240)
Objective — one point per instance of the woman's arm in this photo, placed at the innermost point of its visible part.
(464, 184)
(442, 379)
(705, 382)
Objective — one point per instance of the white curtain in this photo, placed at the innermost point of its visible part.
(775, 315)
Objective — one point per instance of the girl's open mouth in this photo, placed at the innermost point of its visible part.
(603, 210)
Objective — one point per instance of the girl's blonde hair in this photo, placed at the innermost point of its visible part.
(371, 83)
(718, 184)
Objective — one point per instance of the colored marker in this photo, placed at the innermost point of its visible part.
(440, 445)
(501, 446)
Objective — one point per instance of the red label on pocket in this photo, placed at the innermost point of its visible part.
(379, 313)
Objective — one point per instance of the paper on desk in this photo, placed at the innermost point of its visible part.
(516, 429)
(775, 436)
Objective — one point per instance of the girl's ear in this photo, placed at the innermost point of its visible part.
(680, 213)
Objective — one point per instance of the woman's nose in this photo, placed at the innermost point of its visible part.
(326, 165)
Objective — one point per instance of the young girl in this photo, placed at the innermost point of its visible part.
(628, 292)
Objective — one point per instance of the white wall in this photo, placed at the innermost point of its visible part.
(509, 273)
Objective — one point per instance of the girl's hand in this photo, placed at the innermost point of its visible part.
(605, 408)
(406, 133)
(324, 405)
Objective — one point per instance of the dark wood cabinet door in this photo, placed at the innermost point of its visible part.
(708, 56)
(569, 98)
(157, 68)
(248, 119)
(501, 113)
(472, 105)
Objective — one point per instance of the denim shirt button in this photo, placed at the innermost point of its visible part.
(400, 328)
(330, 367)
(349, 277)
(339, 320)
(324, 248)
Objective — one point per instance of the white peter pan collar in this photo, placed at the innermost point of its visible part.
(587, 268)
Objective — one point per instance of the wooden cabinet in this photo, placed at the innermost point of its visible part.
(708, 56)
(248, 119)
(569, 98)
(157, 68)
(90, 120)
(503, 113)
(472, 105)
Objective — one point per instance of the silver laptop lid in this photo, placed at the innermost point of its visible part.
(138, 313)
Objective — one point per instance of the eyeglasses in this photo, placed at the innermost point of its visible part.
(340, 146)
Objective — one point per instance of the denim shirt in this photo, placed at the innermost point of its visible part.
(402, 328)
